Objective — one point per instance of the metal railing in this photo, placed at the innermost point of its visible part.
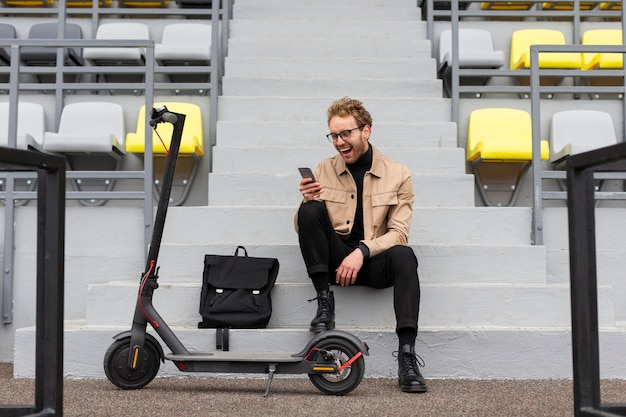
(534, 89)
(220, 26)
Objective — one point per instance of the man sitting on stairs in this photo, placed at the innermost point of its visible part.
(353, 227)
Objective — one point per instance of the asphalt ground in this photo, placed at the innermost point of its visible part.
(192, 396)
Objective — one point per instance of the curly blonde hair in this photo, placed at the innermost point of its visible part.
(347, 106)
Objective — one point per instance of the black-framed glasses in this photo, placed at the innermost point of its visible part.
(344, 134)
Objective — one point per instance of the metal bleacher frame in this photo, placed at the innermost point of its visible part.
(220, 14)
(454, 14)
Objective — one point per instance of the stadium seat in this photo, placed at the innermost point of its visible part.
(87, 3)
(7, 31)
(144, 3)
(120, 56)
(191, 147)
(47, 57)
(28, 3)
(185, 44)
(602, 60)
(611, 5)
(501, 137)
(475, 51)
(577, 131)
(31, 125)
(91, 135)
(523, 39)
(568, 5)
(505, 5)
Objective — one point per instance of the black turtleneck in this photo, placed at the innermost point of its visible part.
(358, 170)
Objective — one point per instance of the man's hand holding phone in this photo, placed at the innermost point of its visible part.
(309, 187)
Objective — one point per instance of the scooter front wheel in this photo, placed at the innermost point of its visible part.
(339, 351)
(121, 375)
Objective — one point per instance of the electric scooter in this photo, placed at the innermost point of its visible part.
(333, 359)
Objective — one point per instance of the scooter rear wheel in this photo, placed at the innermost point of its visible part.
(121, 375)
(346, 380)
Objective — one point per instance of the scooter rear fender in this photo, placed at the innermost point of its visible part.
(153, 339)
(334, 333)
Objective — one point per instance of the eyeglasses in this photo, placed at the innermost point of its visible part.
(344, 134)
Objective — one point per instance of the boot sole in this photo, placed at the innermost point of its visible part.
(410, 388)
(322, 328)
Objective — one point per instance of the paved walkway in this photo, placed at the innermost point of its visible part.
(192, 396)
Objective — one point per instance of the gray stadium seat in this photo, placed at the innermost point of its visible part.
(41, 56)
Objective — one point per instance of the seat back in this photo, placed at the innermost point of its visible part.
(184, 43)
(505, 5)
(576, 131)
(501, 134)
(144, 3)
(475, 49)
(192, 141)
(31, 121)
(7, 31)
(88, 119)
(47, 56)
(521, 41)
(118, 31)
(602, 60)
(29, 3)
(568, 5)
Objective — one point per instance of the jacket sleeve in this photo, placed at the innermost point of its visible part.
(399, 217)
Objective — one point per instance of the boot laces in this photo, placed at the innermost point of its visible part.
(323, 303)
(410, 360)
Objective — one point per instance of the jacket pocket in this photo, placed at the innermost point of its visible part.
(380, 206)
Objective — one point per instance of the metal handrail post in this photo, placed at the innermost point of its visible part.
(536, 237)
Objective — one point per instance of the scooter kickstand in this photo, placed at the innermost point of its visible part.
(270, 375)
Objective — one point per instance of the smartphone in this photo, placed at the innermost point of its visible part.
(307, 173)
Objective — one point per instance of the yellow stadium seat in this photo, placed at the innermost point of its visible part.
(602, 60)
(568, 5)
(503, 136)
(597, 60)
(521, 41)
(191, 146)
(144, 3)
(505, 5)
(87, 3)
(28, 3)
(611, 5)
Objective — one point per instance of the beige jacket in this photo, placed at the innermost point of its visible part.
(387, 200)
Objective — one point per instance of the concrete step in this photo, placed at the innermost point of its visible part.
(297, 11)
(326, 46)
(246, 134)
(438, 264)
(342, 67)
(493, 226)
(465, 305)
(348, 28)
(426, 161)
(327, 87)
(262, 189)
(472, 353)
(314, 109)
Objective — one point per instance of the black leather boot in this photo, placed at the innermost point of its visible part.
(409, 377)
(325, 317)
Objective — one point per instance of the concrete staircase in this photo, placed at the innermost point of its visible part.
(487, 311)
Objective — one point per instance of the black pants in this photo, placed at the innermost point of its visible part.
(323, 251)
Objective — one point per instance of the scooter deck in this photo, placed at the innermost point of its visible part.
(228, 356)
